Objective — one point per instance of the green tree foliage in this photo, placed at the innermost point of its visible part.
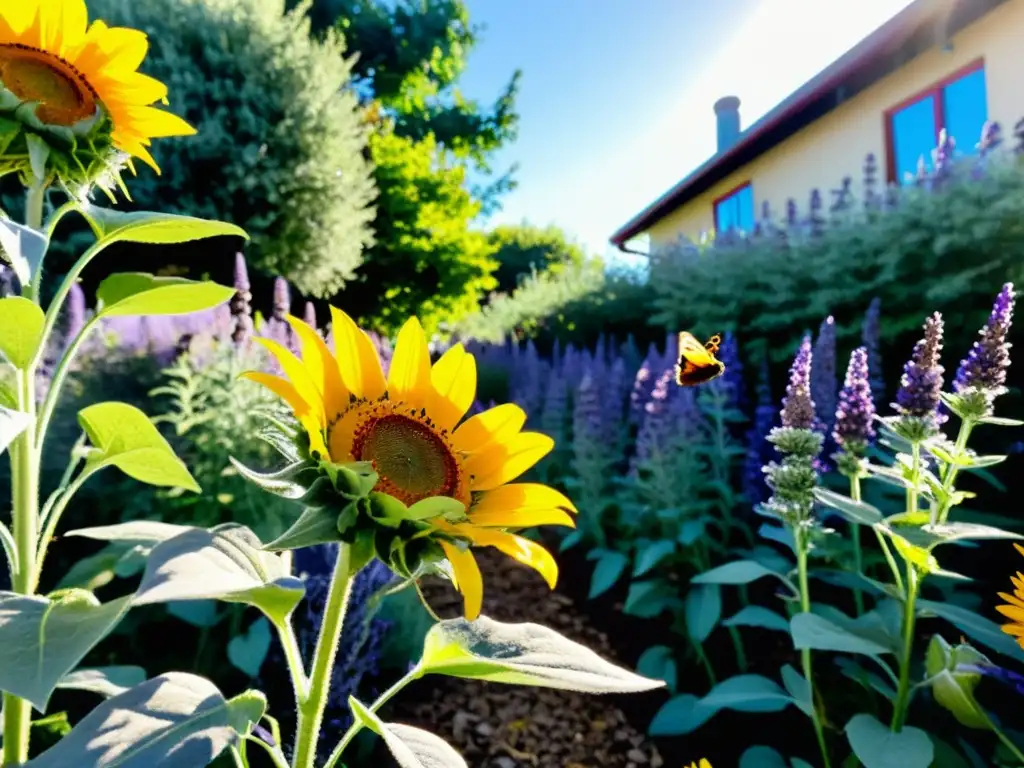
(280, 149)
(947, 249)
(429, 260)
(523, 248)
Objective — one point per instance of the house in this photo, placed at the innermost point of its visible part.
(938, 64)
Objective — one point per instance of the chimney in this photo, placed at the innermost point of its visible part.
(727, 112)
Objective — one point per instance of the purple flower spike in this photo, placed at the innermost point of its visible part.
(871, 339)
(588, 422)
(309, 314)
(855, 413)
(656, 431)
(643, 384)
(74, 319)
(921, 385)
(824, 383)
(986, 364)
(282, 298)
(759, 450)
(797, 405)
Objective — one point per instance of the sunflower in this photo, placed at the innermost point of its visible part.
(411, 427)
(88, 104)
(1015, 610)
(703, 764)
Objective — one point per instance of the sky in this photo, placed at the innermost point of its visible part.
(616, 96)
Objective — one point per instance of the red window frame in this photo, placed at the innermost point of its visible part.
(934, 90)
(735, 190)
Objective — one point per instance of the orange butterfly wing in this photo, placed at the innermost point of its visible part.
(697, 363)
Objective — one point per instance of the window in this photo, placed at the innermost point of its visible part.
(956, 104)
(735, 210)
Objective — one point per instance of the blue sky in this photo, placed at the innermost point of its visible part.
(616, 96)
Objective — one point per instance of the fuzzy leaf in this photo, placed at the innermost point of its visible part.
(43, 639)
(12, 424)
(176, 720)
(123, 437)
(21, 331)
(23, 248)
(853, 511)
(411, 747)
(878, 747)
(610, 567)
(523, 654)
(224, 563)
(106, 681)
(284, 483)
(155, 228)
(131, 294)
(658, 663)
(316, 525)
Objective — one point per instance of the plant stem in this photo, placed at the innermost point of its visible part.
(949, 476)
(52, 518)
(899, 713)
(57, 382)
(414, 674)
(737, 643)
(805, 654)
(35, 197)
(897, 578)
(858, 554)
(311, 710)
(1007, 742)
(286, 634)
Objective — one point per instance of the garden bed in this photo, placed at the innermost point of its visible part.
(501, 726)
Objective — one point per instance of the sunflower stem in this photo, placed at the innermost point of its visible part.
(311, 708)
(34, 199)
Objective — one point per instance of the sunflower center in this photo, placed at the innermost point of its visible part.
(413, 462)
(64, 95)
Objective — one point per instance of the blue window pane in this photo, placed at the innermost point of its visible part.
(745, 209)
(965, 110)
(913, 136)
(725, 214)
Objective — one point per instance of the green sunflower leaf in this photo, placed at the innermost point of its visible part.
(155, 228)
(106, 681)
(130, 294)
(411, 747)
(878, 747)
(23, 248)
(21, 331)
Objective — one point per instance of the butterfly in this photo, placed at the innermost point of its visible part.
(697, 364)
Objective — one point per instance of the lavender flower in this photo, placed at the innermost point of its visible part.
(657, 427)
(588, 416)
(921, 385)
(553, 415)
(871, 339)
(643, 384)
(241, 309)
(758, 447)
(730, 383)
(854, 429)
(615, 393)
(309, 315)
(986, 364)
(797, 405)
(823, 376)
(282, 299)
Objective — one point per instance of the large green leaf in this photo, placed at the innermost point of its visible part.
(658, 663)
(610, 566)
(137, 293)
(12, 424)
(106, 681)
(854, 511)
(650, 597)
(150, 227)
(878, 747)
(21, 330)
(43, 639)
(176, 720)
(930, 536)
(819, 634)
(523, 654)
(684, 714)
(123, 437)
(23, 247)
(798, 687)
(224, 563)
(703, 610)
(737, 572)
(976, 627)
(652, 553)
(757, 616)
(145, 533)
(411, 747)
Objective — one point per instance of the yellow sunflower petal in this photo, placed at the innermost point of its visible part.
(60, 25)
(15, 18)
(357, 359)
(303, 413)
(149, 121)
(299, 377)
(467, 578)
(527, 552)
(522, 496)
(409, 374)
(322, 367)
(477, 433)
(136, 87)
(454, 380)
(504, 462)
(1019, 548)
(1013, 629)
(521, 518)
(1012, 612)
(118, 49)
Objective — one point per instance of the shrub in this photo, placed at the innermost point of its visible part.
(282, 149)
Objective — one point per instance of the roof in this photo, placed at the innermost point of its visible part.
(915, 29)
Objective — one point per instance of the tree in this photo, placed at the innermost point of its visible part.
(280, 149)
(429, 261)
(522, 248)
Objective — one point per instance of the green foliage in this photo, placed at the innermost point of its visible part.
(523, 249)
(280, 144)
(936, 250)
(428, 260)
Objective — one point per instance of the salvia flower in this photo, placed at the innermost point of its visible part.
(411, 428)
(656, 430)
(984, 369)
(643, 385)
(73, 89)
(823, 375)
(798, 405)
(854, 421)
(920, 389)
